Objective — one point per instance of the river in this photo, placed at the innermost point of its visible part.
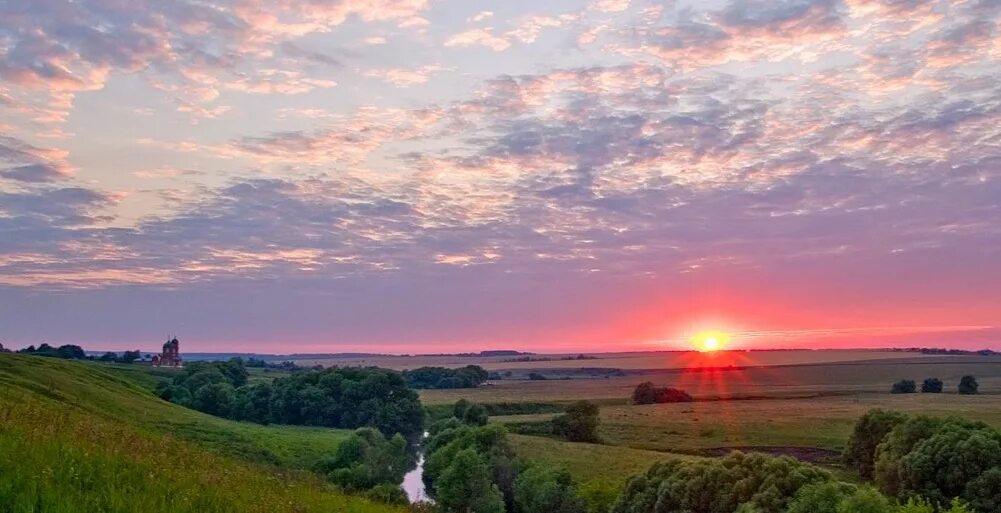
(413, 483)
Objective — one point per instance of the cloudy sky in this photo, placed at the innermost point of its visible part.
(438, 175)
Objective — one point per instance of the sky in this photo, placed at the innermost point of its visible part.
(458, 175)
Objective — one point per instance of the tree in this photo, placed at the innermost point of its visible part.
(475, 415)
(544, 490)
(214, 399)
(4, 349)
(368, 459)
(968, 385)
(823, 497)
(647, 393)
(868, 433)
(737, 482)
(579, 423)
(465, 486)
(130, 356)
(904, 386)
(109, 357)
(932, 386)
(535, 376)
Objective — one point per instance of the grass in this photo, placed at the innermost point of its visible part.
(77, 439)
(122, 395)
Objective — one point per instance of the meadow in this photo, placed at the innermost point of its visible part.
(76, 438)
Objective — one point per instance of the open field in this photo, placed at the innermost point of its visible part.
(626, 361)
(77, 439)
(803, 380)
(822, 422)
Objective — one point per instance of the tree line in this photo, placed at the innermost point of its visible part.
(470, 376)
(967, 386)
(334, 397)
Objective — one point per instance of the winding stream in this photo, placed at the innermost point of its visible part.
(413, 483)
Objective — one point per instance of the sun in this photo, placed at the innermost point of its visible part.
(709, 341)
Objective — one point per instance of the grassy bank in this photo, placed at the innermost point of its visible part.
(77, 439)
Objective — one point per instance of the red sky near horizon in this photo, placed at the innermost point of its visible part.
(460, 175)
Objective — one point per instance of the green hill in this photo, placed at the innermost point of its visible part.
(76, 438)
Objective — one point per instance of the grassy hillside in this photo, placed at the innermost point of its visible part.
(75, 438)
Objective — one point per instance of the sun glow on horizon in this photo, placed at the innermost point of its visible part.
(709, 341)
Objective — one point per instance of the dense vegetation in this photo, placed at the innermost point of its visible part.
(369, 461)
(76, 439)
(738, 482)
(647, 393)
(579, 423)
(904, 386)
(336, 397)
(472, 468)
(936, 459)
(67, 351)
(470, 376)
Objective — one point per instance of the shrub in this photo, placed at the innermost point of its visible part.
(535, 376)
(647, 393)
(368, 459)
(388, 494)
(543, 490)
(465, 486)
(869, 431)
(932, 386)
(904, 386)
(751, 482)
(968, 385)
(579, 423)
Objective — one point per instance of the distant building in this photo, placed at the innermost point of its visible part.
(171, 355)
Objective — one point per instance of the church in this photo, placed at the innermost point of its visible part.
(171, 355)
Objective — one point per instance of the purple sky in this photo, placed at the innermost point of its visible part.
(423, 175)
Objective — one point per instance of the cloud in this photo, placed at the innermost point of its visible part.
(478, 37)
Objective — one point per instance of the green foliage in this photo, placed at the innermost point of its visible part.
(869, 431)
(647, 393)
(388, 494)
(865, 500)
(544, 490)
(599, 496)
(66, 352)
(932, 386)
(470, 376)
(346, 398)
(489, 442)
(824, 497)
(475, 415)
(368, 459)
(968, 385)
(904, 386)
(579, 423)
(764, 483)
(465, 486)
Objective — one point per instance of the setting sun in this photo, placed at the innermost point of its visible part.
(708, 341)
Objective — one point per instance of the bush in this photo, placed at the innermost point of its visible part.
(543, 490)
(490, 442)
(904, 386)
(647, 393)
(579, 423)
(932, 386)
(368, 459)
(869, 432)
(388, 494)
(465, 486)
(751, 482)
(535, 376)
(968, 385)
